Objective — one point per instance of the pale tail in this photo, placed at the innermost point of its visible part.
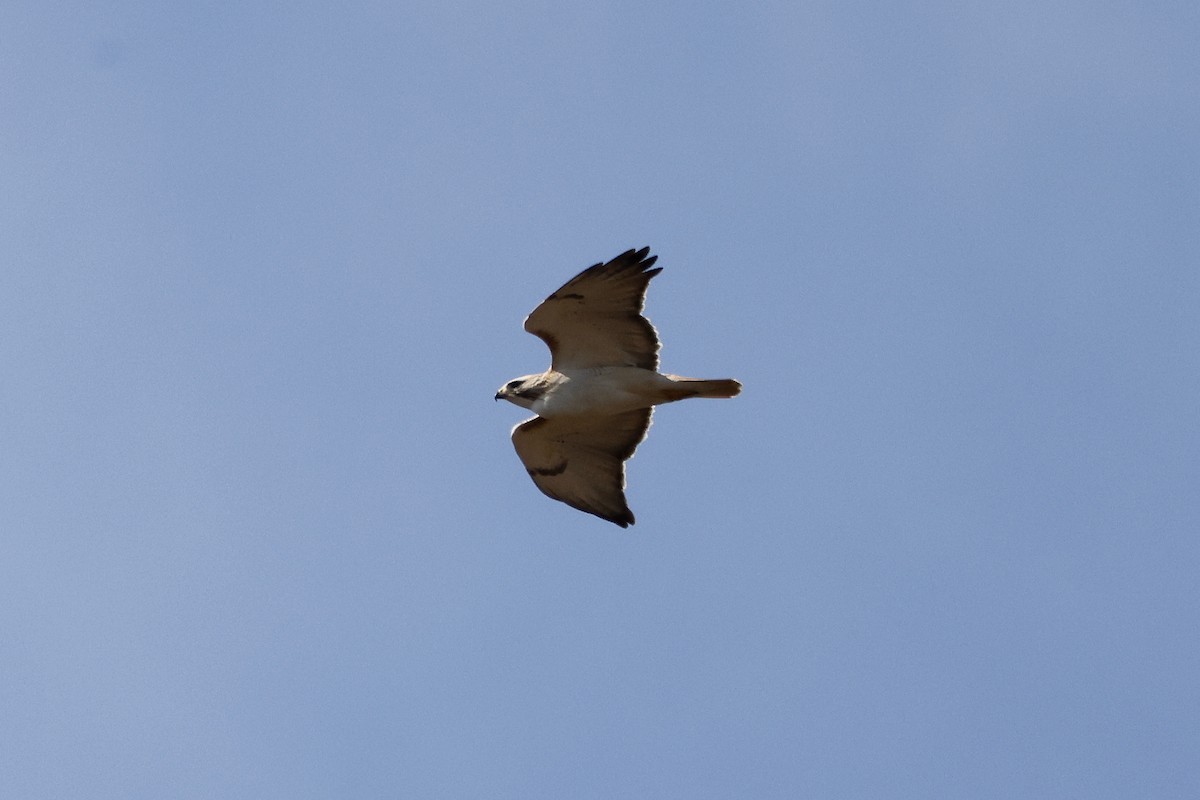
(694, 387)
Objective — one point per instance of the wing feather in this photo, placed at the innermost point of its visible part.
(581, 460)
(595, 319)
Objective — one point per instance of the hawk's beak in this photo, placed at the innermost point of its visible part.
(497, 396)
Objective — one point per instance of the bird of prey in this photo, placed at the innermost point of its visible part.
(593, 405)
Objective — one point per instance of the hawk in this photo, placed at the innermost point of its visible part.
(593, 405)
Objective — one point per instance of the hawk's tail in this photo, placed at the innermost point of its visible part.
(694, 387)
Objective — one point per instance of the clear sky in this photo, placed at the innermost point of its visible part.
(264, 265)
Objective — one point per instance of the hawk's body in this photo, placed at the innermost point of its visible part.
(594, 404)
(605, 390)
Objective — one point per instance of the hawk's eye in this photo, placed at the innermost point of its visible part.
(512, 385)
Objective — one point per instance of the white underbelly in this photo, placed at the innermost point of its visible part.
(607, 390)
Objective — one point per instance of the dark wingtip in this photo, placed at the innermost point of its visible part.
(623, 519)
(646, 263)
(639, 258)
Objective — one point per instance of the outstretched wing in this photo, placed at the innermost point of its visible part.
(581, 460)
(595, 319)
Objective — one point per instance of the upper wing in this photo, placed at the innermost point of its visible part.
(595, 319)
(581, 460)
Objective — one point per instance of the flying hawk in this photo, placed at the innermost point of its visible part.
(594, 404)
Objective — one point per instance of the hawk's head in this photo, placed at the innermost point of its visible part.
(523, 391)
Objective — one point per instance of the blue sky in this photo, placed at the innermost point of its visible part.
(262, 532)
